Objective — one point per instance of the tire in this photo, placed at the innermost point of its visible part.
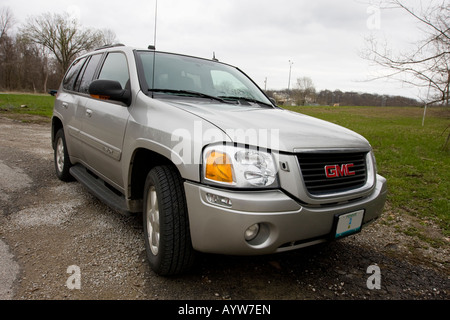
(166, 225)
(61, 157)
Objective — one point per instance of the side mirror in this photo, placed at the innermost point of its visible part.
(109, 90)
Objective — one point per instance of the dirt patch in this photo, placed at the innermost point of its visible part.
(24, 118)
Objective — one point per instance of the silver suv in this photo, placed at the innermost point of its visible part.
(210, 161)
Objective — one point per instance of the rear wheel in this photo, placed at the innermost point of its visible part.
(166, 225)
(61, 157)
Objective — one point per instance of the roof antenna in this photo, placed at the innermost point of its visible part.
(154, 48)
(214, 57)
(156, 16)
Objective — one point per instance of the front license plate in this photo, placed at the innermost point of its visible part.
(349, 223)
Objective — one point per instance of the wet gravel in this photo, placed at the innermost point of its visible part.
(47, 227)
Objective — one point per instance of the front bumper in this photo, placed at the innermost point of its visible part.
(285, 223)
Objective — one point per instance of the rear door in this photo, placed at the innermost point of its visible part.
(67, 105)
(104, 123)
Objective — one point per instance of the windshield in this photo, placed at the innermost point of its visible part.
(177, 74)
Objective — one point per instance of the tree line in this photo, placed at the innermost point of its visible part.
(340, 98)
(304, 93)
(35, 58)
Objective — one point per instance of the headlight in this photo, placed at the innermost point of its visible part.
(239, 167)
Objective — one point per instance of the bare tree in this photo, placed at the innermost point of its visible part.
(107, 37)
(62, 36)
(8, 54)
(35, 58)
(428, 65)
(305, 91)
(6, 21)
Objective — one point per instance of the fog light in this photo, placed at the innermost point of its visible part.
(218, 200)
(251, 232)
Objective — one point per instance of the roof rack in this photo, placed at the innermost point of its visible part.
(110, 46)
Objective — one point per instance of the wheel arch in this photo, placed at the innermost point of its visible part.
(142, 161)
(56, 125)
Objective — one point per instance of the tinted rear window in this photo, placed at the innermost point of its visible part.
(72, 74)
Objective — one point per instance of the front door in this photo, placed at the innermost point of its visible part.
(104, 123)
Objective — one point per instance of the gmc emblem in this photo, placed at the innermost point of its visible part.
(336, 171)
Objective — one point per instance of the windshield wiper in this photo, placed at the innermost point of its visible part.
(247, 99)
(189, 93)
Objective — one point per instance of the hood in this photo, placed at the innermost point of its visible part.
(275, 129)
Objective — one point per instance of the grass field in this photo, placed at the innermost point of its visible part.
(409, 155)
(38, 105)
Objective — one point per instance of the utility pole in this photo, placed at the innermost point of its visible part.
(290, 68)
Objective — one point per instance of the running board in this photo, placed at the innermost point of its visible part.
(98, 188)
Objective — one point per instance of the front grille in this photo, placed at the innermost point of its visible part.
(346, 171)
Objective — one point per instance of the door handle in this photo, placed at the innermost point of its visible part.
(88, 113)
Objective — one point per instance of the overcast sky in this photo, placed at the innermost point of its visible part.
(322, 38)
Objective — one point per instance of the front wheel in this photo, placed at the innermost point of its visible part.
(166, 225)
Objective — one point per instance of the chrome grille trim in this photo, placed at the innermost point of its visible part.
(313, 168)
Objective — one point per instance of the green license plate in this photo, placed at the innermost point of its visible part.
(349, 223)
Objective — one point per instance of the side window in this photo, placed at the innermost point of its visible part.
(115, 68)
(84, 81)
(72, 74)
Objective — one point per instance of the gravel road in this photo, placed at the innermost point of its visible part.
(59, 242)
